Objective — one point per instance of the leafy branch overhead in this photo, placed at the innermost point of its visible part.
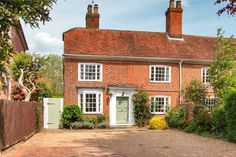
(230, 7)
(30, 11)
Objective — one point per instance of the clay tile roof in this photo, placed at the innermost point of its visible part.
(137, 44)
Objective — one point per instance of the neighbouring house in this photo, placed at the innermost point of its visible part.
(20, 45)
(104, 68)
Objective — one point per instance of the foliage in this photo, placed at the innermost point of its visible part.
(230, 109)
(201, 120)
(26, 70)
(53, 73)
(71, 113)
(230, 7)
(31, 12)
(103, 125)
(39, 115)
(88, 125)
(77, 125)
(101, 118)
(42, 91)
(222, 70)
(90, 120)
(141, 108)
(158, 122)
(195, 92)
(177, 117)
(218, 121)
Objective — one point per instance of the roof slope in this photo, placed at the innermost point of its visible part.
(137, 44)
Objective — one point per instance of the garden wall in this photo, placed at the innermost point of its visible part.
(17, 122)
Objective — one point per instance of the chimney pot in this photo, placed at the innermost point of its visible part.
(95, 9)
(178, 4)
(172, 4)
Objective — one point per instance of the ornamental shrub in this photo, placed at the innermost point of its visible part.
(88, 125)
(195, 92)
(141, 108)
(158, 122)
(71, 113)
(230, 110)
(103, 125)
(218, 121)
(101, 118)
(177, 117)
(77, 125)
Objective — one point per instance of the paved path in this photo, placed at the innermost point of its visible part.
(120, 143)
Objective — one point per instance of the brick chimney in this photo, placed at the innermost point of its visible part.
(92, 17)
(174, 19)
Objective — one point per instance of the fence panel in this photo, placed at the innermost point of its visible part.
(17, 121)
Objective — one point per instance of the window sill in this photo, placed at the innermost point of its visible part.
(94, 113)
(162, 82)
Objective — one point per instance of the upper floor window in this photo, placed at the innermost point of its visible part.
(90, 72)
(159, 73)
(90, 101)
(159, 104)
(205, 76)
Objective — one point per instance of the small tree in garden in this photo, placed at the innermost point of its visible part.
(195, 92)
(222, 70)
(26, 69)
(141, 108)
(71, 114)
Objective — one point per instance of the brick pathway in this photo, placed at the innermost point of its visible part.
(65, 152)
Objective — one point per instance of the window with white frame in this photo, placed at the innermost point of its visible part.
(159, 104)
(210, 102)
(205, 76)
(90, 72)
(90, 101)
(159, 73)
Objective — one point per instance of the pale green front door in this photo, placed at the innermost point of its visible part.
(122, 108)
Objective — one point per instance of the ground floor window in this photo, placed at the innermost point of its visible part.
(159, 104)
(210, 102)
(90, 101)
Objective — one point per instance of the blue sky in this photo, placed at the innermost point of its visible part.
(199, 18)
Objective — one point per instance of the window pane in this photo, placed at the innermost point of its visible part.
(81, 102)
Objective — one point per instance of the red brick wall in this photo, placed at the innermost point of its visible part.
(17, 41)
(123, 72)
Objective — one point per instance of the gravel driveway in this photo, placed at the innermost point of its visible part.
(131, 142)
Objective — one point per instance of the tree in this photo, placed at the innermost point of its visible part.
(195, 92)
(230, 7)
(30, 11)
(53, 74)
(26, 69)
(222, 70)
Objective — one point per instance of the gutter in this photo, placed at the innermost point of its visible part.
(136, 59)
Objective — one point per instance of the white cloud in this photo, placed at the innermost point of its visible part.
(45, 43)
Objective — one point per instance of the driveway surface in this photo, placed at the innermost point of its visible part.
(131, 142)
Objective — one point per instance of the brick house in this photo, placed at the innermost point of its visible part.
(20, 45)
(104, 68)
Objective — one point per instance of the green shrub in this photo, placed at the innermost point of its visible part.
(141, 108)
(218, 121)
(177, 117)
(103, 125)
(77, 125)
(90, 120)
(192, 127)
(195, 92)
(158, 122)
(88, 125)
(71, 113)
(230, 110)
(101, 118)
(202, 118)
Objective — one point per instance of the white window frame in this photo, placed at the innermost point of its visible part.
(156, 66)
(158, 96)
(204, 70)
(84, 64)
(91, 91)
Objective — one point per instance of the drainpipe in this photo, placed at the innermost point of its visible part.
(180, 81)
